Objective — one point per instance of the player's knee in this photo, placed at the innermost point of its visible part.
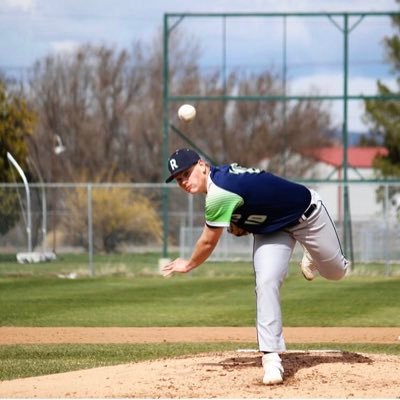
(267, 283)
(334, 272)
(334, 276)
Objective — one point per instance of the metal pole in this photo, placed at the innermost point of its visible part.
(284, 89)
(44, 218)
(44, 204)
(90, 229)
(28, 200)
(54, 208)
(224, 54)
(165, 153)
(387, 236)
(345, 136)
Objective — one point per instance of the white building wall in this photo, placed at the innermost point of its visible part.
(363, 203)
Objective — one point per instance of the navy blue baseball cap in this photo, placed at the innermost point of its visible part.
(180, 161)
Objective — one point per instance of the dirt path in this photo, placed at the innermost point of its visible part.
(25, 335)
(312, 374)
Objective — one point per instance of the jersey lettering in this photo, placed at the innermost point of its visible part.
(254, 219)
(237, 169)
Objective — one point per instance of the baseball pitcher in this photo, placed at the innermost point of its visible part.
(278, 213)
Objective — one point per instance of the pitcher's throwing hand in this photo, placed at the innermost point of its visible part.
(178, 265)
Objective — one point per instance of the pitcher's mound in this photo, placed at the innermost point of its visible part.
(226, 375)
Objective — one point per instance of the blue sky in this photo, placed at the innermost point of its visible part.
(31, 29)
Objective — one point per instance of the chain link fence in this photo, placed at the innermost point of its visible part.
(94, 229)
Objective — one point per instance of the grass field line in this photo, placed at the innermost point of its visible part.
(104, 335)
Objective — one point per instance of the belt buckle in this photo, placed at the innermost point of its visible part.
(307, 214)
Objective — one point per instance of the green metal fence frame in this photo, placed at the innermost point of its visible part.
(346, 29)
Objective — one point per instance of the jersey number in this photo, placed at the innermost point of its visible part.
(254, 219)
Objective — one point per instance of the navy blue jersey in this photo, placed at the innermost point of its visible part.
(255, 200)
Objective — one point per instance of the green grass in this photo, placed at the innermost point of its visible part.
(217, 294)
(110, 264)
(19, 361)
(192, 300)
(354, 301)
(146, 264)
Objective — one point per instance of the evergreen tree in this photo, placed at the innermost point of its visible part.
(16, 122)
(384, 115)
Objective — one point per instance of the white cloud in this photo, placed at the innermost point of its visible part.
(337, 5)
(22, 5)
(64, 46)
(279, 6)
(31, 28)
(332, 85)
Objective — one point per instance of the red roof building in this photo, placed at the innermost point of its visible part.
(357, 157)
(329, 161)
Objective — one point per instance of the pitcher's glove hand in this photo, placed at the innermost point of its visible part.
(236, 230)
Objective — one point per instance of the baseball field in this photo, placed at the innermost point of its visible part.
(139, 335)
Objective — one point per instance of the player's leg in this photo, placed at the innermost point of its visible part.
(271, 259)
(319, 237)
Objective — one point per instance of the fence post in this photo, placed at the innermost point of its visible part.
(90, 229)
(386, 234)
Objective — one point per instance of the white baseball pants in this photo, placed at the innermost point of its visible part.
(271, 256)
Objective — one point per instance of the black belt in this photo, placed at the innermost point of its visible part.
(307, 214)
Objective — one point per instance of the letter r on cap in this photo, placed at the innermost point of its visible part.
(173, 164)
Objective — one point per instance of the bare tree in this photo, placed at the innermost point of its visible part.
(248, 131)
(106, 106)
(84, 100)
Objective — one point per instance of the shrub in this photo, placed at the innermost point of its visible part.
(120, 216)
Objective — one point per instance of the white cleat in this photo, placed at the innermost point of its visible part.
(307, 266)
(273, 369)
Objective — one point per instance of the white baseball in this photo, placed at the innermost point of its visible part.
(186, 112)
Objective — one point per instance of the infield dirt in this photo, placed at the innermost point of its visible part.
(312, 374)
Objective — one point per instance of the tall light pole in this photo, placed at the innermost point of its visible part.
(44, 204)
(31, 256)
(28, 200)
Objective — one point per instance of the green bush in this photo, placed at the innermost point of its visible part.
(119, 216)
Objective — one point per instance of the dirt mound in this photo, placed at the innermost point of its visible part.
(313, 374)
(310, 374)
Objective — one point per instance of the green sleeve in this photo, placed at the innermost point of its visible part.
(220, 204)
